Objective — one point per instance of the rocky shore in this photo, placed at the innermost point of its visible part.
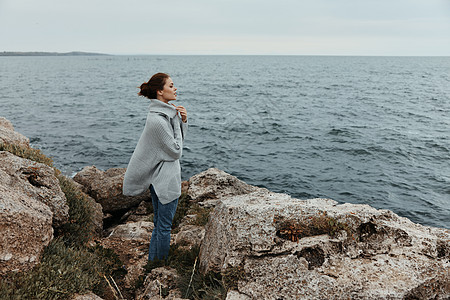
(230, 240)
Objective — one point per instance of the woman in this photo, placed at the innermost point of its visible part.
(155, 161)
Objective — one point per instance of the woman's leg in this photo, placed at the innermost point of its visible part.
(153, 249)
(163, 217)
(166, 213)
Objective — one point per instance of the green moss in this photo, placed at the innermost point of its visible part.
(67, 265)
(27, 152)
(207, 286)
(139, 283)
(203, 286)
(149, 207)
(202, 215)
(232, 275)
(63, 271)
(186, 207)
(80, 228)
(184, 203)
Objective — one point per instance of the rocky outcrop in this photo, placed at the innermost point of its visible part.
(25, 220)
(35, 180)
(274, 247)
(31, 204)
(316, 249)
(9, 136)
(214, 184)
(106, 188)
(26, 228)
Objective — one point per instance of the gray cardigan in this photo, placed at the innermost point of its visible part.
(155, 161)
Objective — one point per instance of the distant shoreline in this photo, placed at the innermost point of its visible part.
(79, 53)
(73, 53)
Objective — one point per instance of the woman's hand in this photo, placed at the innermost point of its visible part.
(182, 112)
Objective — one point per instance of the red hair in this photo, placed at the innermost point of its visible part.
(156, 83)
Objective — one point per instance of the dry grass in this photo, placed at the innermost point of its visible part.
(80, 228)
(321, 223)
(28, 153)
(62, 272)
(193, 284)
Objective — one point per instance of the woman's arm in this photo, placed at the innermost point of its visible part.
(168, 141)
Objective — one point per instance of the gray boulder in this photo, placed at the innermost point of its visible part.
(285, 248)
(28, 207)
(35, 180)
(106, 188)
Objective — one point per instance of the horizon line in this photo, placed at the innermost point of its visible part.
(90, 53)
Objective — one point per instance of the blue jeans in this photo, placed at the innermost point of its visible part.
(162, 218)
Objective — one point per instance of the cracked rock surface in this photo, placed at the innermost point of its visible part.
(372, 254)
(35, 180)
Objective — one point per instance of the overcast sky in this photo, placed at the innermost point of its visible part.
(299, 27)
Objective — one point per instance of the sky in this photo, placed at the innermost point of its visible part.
(236, 27)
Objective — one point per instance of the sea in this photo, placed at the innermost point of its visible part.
(356, 129)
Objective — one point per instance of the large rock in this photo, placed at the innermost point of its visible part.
(25, 221)
(214, 184)
(358, 253)
(35, 180)
(106, 188)
(9, 136)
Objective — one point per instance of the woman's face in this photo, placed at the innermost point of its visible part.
(169, 92)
